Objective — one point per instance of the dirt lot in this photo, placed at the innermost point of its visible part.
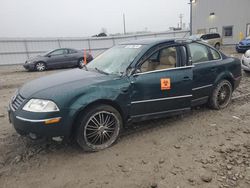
(204, 148)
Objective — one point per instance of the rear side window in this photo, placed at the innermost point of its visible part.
(216, 35)
(199, 53)
(71, 51)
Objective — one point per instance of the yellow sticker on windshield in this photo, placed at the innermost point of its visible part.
(165, 83)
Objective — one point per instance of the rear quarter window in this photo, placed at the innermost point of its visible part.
(199, 52)
(215, 54)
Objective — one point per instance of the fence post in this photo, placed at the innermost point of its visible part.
(59, 44)
(26, 49)
(89, 45)
(113, 41)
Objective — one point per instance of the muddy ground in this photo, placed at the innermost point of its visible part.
(203, 148)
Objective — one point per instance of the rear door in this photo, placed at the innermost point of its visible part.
(72, 57)
(205, 71)
(162, 85)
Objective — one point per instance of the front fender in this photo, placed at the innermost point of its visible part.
(116, 93)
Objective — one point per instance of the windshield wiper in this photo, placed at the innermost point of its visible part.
(101, 71)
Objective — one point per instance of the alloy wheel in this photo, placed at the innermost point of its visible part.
(224, 95)
(101, 130)
(81, 63)
(40, 67)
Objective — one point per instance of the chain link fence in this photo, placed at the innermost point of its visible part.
(17, 51)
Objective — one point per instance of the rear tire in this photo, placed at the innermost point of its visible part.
(40, 66)
(221, 96)
(81, 63)
(98, 128)
(217, 46)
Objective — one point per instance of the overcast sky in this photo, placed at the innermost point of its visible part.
(78, 18)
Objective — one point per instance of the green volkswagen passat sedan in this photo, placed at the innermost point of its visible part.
(131, 82)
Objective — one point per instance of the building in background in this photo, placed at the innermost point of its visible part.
(230, 18)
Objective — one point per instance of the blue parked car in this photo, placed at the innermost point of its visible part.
(243, 45)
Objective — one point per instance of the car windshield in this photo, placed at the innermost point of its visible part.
(248, 38)
(47, 53)
(115, 60)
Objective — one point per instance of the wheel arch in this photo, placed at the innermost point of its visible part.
(41, 61)
(91, 105)
(217, 43)
(227, 76)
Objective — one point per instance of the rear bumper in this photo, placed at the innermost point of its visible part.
(237, 82)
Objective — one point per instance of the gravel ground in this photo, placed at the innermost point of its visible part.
(203, 148)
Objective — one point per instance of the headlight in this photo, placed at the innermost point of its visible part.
(40, 105)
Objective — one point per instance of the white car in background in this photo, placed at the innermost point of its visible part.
(245, 61)
(214, 39)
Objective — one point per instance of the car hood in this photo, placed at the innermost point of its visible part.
(245, 42)
(62, 82)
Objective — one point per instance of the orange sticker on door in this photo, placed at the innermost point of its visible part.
(165, 83)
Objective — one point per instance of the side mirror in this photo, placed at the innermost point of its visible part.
(48, 55)
(136, 72)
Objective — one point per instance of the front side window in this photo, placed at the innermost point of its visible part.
(58, 52)
(199, 52)
(228, 31)
(165, 58)
(204, 37)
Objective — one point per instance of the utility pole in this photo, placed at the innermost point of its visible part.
(191, 17)
(124, 24)
(181, 17)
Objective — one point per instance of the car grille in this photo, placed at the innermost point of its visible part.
(17, 101)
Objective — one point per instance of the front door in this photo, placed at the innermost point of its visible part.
(58, 58)
(162, 86)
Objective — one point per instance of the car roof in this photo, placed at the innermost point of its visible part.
(154, 41)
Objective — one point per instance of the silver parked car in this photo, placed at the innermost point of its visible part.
(214, 39)
(58, 58)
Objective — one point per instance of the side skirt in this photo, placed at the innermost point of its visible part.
(199, 101)
(157, 115)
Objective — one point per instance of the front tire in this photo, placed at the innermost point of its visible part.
(222, 95)
(99, 128)
(40, 66)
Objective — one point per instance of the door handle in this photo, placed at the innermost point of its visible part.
(186, 78)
